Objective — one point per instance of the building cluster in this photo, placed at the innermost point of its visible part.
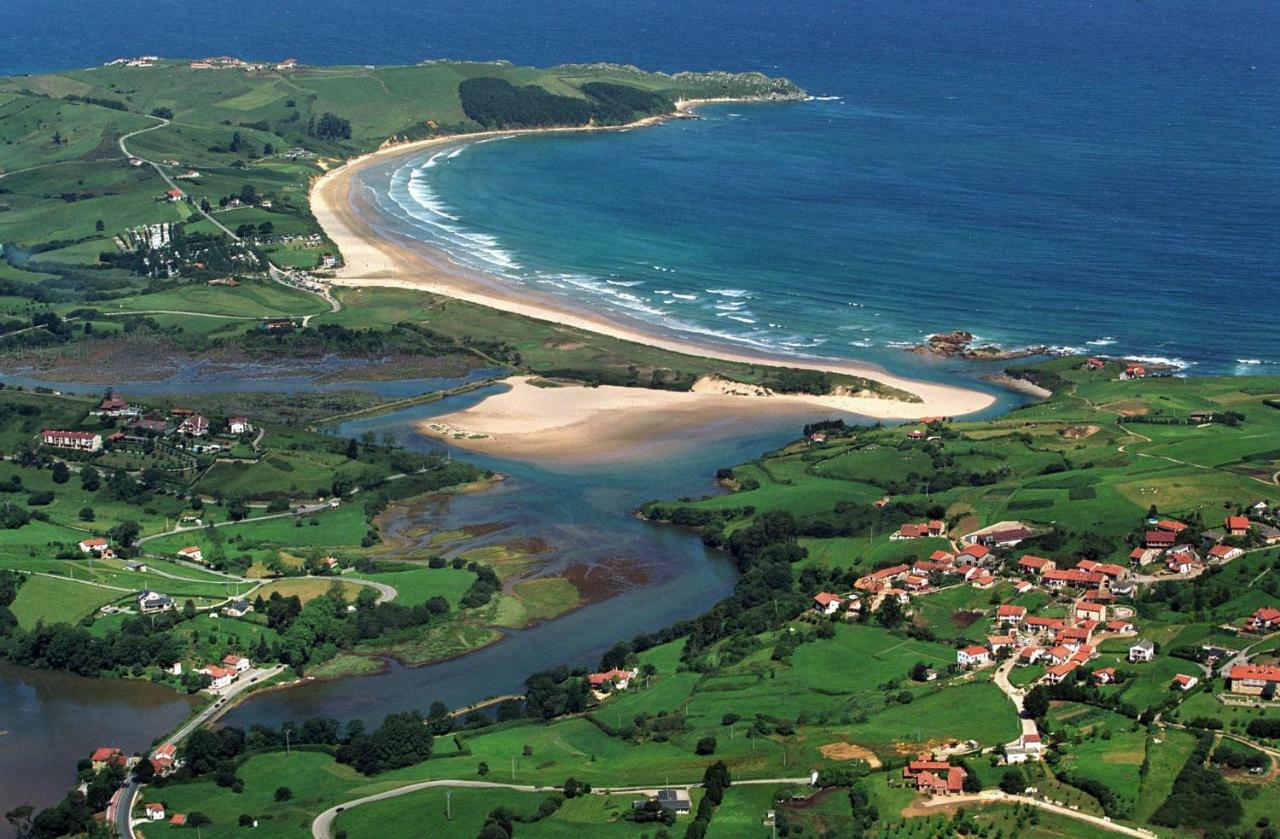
(226, 62)
(222, 675)
(184, 427)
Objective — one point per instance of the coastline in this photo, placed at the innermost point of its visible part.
(374, 258)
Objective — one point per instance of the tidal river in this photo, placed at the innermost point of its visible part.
(654, 575)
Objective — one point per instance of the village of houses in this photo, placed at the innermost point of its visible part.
(1091, 596)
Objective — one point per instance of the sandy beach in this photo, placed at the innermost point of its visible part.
(514, 422)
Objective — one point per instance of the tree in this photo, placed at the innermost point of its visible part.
(90, 479)
(60, 474)
(283, 794)
(716, 780)
(890, 613)
(19, 819)
(198, 819)
(99, 225)
(1012, 782)
(706, 746)
(124, 534)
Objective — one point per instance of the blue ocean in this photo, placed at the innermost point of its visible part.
(1097, 176)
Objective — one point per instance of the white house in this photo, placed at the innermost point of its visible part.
(219, 677)
(155, 811)
(192, 553)
(239, 425)
(1184, 682)
(1025, 748)
(237, 663)
(974, 656)
(1143, 650)
(150, 602)
(93, 547)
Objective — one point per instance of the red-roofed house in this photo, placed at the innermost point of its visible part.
(1185, 682)
(219, 677)
(974, 656)
(239, 425)
(937, 527)
(1224, 553)
(826, 603)
(86, 441)
(1254, 679)
(96, 546)
(1030, 655)
(1120, 626)
(1170, 526)
(178, 819)
(976, 552)
(619, 678)
(192, 553)
(105, 756)
(1000, 642)
(1090, 611)
(1059, 672)
(155, 811)
(934, 776)
(877, 580)
(1237, 526)
(1010, 615)
(1159, 539)
(237, 663)
(1031, 564)
(1105, 676)
(1263, 620)
(911, 531)
(1074, 578)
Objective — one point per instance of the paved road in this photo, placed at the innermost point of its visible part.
(124, 807)
(997, 797)
(322, 826)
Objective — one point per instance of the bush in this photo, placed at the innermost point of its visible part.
(283, 793)
(706, 746)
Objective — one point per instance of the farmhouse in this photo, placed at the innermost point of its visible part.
(1237, 526)
(1254, 679)
(1105, 676)
(619, 679)
(155, 811)
(911, 531)
(1084, 610)
(1224, 553)
(239, 425)
(1000, 642)
(1185, 682)
(1120, 626)
(826, 603)
(191, 553)
(114, 406)
(96, 546)
(1159, 539)
(1074, 578)
(1265, 619)
(1171, 526)
(1030, 564)
(877, 580)
(934, 776)
(85, 441)
(237, 663)
(164, 759)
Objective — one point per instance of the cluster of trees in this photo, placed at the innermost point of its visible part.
(1200, 797)
(329, 127)
(501, 821)
(715, 780)
(496, 103)
(74, 814)
(403, 739)
(402, 338)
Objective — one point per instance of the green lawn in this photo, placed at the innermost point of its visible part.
(58, 601)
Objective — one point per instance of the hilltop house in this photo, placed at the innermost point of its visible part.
(150, 602)
(826, 603)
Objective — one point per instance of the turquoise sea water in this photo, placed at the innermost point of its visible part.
(1104, 176)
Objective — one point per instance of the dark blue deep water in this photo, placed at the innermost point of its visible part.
(1096, 175)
